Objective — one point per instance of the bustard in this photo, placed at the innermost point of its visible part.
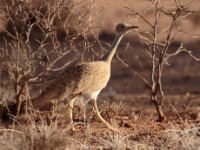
(86, 79)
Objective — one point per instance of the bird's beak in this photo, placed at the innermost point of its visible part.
(133, 27)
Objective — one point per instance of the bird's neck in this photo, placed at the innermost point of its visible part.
(108, 57)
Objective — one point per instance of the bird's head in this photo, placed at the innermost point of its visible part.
(123, 28)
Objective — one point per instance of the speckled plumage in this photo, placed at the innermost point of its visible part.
(76, 80)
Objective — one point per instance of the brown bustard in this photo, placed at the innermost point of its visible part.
(86, 79)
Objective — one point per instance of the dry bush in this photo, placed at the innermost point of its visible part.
(191, 113)
(37, 130)
(112, 110)
(37, 40)
(35, 137)
(120, 141)
(186, 139)
(162, 23)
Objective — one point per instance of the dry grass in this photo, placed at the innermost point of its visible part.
(186, 139)
(50, 130)
(112, 110)
(37, 136)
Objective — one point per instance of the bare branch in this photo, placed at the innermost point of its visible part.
(134, 71)
(138, 14)
(179, 50)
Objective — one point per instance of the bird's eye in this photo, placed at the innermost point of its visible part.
(122, 26)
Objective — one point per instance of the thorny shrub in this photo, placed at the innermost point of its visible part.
(37, 36)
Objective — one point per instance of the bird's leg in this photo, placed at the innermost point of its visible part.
(70, 107)
(101, 118)
(85, 110)
(84, 113)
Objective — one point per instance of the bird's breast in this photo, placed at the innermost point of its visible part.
(95, 77)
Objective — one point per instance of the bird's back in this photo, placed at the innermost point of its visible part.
(87, 77)
(80, 79)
